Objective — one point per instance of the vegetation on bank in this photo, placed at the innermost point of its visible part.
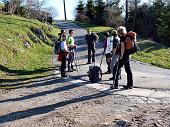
(153, 53)
(26, 46)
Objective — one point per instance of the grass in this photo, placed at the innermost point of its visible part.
(94, 28)
(14, 56)
(153, 53)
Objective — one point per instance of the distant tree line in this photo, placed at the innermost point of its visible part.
(29, 9)
(147, 19)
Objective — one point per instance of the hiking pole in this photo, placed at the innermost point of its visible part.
(76, 63)
(102, 59)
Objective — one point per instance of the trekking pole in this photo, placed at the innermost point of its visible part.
(76, 63)
(102, 59)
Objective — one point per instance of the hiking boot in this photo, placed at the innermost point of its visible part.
(63, 76)
(111, 78)
(108, 72)
(128, 87)
(88, 62)
(114, 87)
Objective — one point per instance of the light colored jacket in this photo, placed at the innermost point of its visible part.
(109, 46)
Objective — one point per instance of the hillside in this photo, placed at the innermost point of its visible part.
(26, 46)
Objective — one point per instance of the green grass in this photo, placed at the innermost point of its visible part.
(14, 56)
(97, 29)
(153, 53)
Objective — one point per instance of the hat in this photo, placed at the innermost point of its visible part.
(114, 32)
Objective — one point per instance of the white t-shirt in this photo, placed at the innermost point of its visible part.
(109, 45)
(63, 46)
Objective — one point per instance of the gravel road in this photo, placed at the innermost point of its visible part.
(74, 102)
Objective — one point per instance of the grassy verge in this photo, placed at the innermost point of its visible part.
(98, 29)
(18, 60)
(153, 53)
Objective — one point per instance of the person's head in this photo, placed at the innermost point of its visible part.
(121, 31)
(114, 33)
(62, 31)
(64, 37)
(71, 32)
(106, 34)
(89, 31)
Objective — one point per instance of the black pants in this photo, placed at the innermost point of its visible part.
(116, 71)
(63, 65)
(108, 61)
(91, 53)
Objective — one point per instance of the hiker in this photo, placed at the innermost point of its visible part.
(115, 55)
(90, 40)
(123, 60)
(63, 56)
(61, 35)
(107, 51)
(71, 46)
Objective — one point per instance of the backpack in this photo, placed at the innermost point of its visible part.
(57, 47)
(131, 46)
(95, 37)
(94, 74)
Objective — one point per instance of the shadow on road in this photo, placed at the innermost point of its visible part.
(48, 108)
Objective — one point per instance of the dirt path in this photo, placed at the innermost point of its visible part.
(73, 102)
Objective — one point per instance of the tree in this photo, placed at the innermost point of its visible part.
(113, 13)
(80, 12)
(90, 10)
(100, 11)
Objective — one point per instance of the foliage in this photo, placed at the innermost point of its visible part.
(90, 10)
(100, 13)
(81, 12)
(152, 21)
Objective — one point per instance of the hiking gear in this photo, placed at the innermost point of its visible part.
(95, 37)
(57, 47)
(95, 72)
(130, 46)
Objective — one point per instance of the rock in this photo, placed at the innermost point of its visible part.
(122, 123)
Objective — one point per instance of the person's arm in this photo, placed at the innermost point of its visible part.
(122, 49)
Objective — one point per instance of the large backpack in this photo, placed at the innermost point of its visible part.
(57, 47)
(94, 74)
(131, 46)
(95, 37)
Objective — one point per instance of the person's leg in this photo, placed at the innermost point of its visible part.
(63, 65)
(129, 74)
(89, 54)
(93, 54)
(116, 72)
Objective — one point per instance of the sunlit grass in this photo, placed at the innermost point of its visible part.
(14, 55)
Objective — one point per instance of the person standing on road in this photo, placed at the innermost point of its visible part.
(71, 47)
(63, 56)
(124, 60)
(107, 51)
(90, 46)
(115, 45)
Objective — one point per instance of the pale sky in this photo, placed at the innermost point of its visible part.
(70, 7)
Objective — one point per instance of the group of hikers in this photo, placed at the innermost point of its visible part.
(117, 48)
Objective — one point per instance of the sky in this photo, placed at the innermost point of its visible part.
(70, 7)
